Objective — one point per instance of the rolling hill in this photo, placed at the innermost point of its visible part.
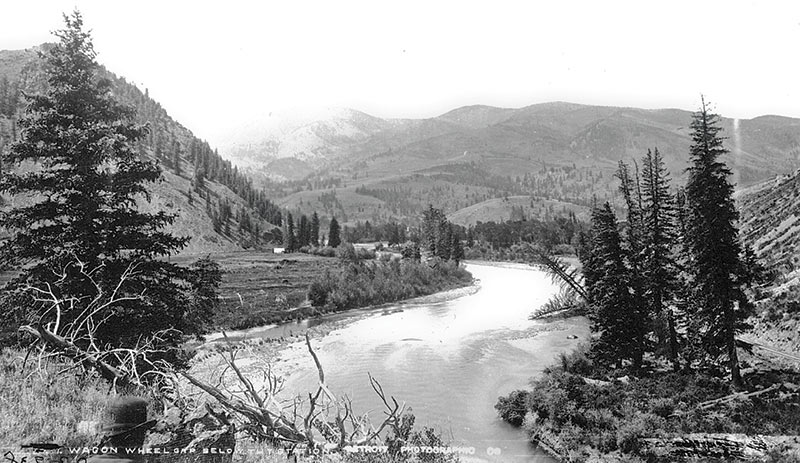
(554, 151)
(516, 208)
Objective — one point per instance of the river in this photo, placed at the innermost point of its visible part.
(447, 360)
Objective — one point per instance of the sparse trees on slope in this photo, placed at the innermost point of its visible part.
(82, 226)
(713, 244)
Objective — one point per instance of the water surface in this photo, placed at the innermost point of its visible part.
(449, 361)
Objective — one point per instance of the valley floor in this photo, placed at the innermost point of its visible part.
(260, 288)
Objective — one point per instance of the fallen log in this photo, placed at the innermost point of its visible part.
(724, 446)
(736, 396)
(550, 445)
(68, 349)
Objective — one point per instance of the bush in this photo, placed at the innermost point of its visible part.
(346, 252)
(662, 407)
(322, 251)
(365, 254)
(512, 409)
(584, 418)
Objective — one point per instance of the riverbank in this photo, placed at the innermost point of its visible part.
(260, 289)
(580, 412)
(284, 349)
(362, 283)
(436, 353)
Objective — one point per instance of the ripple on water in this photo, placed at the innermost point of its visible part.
(449, 360)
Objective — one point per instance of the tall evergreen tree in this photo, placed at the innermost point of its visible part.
(432, 219)
(304, 231)
(289, 237)
(176, 158)
(444, 240)
(4, 97)
(713, 244)
(633, 244)
(659, 267)
(614, 314)
(590, 267)
(199, 179)
(334, 240)
(314, 229)
(82, 230)
(456, 249)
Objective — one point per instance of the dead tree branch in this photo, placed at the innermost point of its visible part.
(319, 420)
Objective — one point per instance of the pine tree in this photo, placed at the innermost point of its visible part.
(199, 179)
(314, 229)
(205, 278)
(614, 314)
(659, 268)
(333, 234)
(589, 264)
(304, 231)
(431, 220)
(444, 240)
(634, 232)
(4, 97)
(289, 237)
(713, 244)
(633, 204)
(176, 158)
(457, 250)
(84, 189)
(394, 234)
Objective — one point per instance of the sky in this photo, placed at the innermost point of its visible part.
(217, 65)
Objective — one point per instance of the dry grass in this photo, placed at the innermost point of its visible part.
(37, 404)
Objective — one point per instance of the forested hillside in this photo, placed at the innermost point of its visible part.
(770, 224)
(215, 203)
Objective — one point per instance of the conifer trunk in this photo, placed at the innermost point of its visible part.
(673, 341)
(733, 362)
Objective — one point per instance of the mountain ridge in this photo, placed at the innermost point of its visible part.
(558, 150)
(560, 130)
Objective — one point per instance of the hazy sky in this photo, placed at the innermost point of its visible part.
(214, 65)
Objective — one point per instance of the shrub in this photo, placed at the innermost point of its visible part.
(586, 418)
(365, 254)
(512, 409)
(662, 407)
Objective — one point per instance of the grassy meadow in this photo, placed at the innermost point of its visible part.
(260, 288)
